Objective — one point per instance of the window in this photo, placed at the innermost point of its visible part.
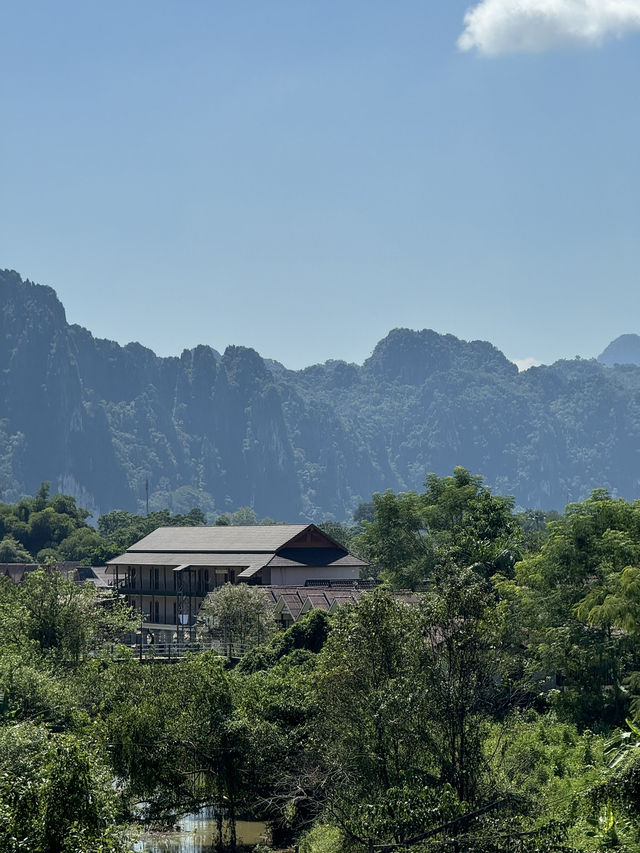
(157, 610)
(133, 577)
(156, 578)
(175, 612)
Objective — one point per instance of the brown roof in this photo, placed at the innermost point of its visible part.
(304, 598)
(16, 571)
(293, 601)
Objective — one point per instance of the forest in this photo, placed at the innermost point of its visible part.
(106, 423)
(499, 711)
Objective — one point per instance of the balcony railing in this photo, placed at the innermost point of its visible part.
(176, 650)
(136, 589)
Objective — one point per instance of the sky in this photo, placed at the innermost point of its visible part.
(302, 177)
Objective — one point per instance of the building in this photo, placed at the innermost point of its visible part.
(73, 571)
(290, 603)
(167, 574)
(17, 571)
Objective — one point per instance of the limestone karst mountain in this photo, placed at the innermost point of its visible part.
(99, 420)
(624, 350)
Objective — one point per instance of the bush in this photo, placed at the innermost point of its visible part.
(322, 838)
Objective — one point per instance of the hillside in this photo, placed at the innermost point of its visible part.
(222, 431)
(624, 350)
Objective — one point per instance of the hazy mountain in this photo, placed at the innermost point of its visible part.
(624, 350)
(98, 420)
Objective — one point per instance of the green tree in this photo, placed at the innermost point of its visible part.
(369, 738)
(408, 699)
(56, 795)
(457, 522)
(240, 616)
(85, 545)
(574, 593)
(11, 551)
(179, 742)
(64, 619)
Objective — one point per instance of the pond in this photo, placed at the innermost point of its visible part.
(197, 834)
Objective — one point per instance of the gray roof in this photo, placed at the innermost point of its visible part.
(341, 560)
(238, 538)
(249, 548)
(212, 560)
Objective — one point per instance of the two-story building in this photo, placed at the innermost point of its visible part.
(167, 574)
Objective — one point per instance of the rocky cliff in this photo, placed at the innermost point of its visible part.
(99, 420)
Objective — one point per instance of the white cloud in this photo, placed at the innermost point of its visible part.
(508, 26)
(526, 363)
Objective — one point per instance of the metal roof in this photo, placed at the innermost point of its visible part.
(250, 571)
(236, 538)
(316, 557)
(220, 560)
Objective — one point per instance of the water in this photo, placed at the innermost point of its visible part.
(197, 834)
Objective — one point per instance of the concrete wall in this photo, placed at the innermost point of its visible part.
(293, 576)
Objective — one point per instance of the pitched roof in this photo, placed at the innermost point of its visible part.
(249, 547)
(315, 557)
(221, 560)
(239, 538)
(16, 571)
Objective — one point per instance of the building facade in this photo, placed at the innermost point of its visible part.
(168, 574)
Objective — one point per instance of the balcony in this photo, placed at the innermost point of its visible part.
(127, 589)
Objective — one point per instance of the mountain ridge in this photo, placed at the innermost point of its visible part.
(625, 349)
(99, 419)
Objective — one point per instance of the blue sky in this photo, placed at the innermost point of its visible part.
(301, 177)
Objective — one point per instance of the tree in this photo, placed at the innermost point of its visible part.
(369, 735)
(241, 616)
(64, 619)
(575, 591)
(396, 543)
(85, 545)
(56, 795)
(341, 533)
(456, 522)
(470, 525)
(244, 515)
(11, 551)
(467, 671)
(408, 697)
(179, 742)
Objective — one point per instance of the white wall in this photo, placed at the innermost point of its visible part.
(294, 576)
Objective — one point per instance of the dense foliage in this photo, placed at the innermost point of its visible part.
(50, 529)
(491, 710)
(102, 421)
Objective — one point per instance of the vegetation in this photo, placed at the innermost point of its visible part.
(241, 617)
(494, 710)
(52, 528)
(223, 431)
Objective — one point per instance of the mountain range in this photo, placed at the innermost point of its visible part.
(102, 421)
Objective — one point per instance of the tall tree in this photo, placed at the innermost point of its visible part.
(575, 592)
(456, 522)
